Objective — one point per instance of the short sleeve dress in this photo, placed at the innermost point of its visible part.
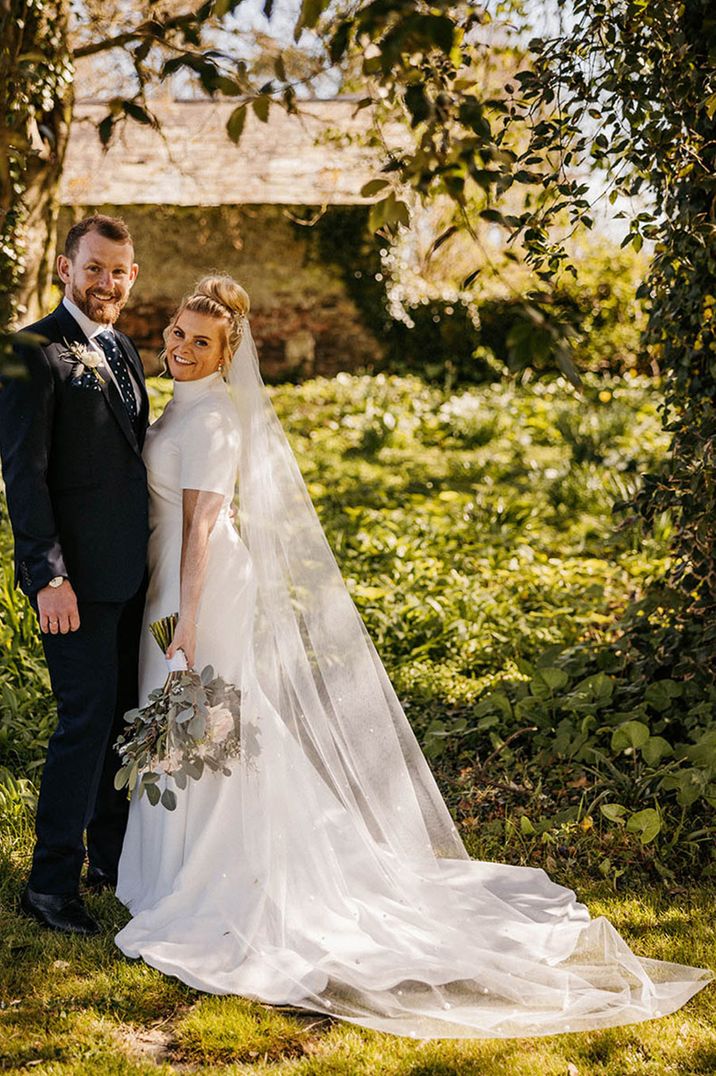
(193, 445)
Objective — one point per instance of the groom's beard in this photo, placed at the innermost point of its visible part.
(105, 312)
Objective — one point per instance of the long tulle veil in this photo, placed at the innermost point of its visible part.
(328, 873)
(313, 656)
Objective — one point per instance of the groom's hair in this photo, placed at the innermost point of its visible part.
(110, 227)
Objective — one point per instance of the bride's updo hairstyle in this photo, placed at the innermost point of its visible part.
(221, 297)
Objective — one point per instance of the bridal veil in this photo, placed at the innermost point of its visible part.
(334, 878)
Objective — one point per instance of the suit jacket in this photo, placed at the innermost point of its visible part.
(75, 482)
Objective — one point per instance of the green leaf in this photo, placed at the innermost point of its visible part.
(388, 211)
(661, 693)
(279, 67)
(496, 701)
(493, 216)
(105, 129)
(235, 123)
(646, 823)
(310, 13)
(655, 748)
(555, 679)
(168, 799)
(136, 112)
(372, 187)
(261, 107)
(438, 29)
(630, 734)
(526, 827)
(121, 777)
(229, 87)
(153, 794)
(614, 812)
(339, 41)
(417, 103)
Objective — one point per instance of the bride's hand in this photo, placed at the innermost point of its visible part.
(184, 639)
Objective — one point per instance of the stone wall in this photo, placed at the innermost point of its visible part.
(303, 317)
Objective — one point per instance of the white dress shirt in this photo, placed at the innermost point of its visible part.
(93, 328)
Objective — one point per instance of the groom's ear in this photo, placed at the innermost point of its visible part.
(133, 274)
(63, 268)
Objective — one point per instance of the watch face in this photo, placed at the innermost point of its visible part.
(57, 581)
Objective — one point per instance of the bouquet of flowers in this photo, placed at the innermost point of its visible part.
(190, 723)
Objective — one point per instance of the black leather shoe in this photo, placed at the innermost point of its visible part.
(98, 880)
(59, 912)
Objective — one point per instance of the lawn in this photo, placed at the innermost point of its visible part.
(70, 1007)
(475, 532)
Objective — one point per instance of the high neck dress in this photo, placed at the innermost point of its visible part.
(193, 445)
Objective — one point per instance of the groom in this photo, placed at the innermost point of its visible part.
(71, 436)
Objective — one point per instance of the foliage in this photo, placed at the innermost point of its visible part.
(35, 80)
(190, 725)
(39, 52)
(474, 530)
(636, 86)
(26, 705)
(598, 310)
(467, 342)
(483, 523)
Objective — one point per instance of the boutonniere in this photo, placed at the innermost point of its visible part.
(85, 357)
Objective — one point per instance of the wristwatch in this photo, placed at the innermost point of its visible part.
(56, 582)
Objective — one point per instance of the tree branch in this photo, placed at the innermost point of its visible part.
(150, 28)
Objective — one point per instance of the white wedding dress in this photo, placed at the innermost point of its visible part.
(326, 872)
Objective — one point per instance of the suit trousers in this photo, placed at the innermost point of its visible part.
(94, 674)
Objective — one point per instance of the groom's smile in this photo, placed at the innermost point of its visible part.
(98, 276)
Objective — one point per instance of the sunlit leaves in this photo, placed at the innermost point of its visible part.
(310, 13)
(388, 212)
(373, 187)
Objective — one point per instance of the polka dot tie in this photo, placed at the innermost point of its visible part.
(118, 367)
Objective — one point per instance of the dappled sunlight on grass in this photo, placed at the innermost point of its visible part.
(474, 530)
(79, 1007)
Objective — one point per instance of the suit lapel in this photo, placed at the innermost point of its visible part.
(117, 406)
(70, 332)
(68, 329)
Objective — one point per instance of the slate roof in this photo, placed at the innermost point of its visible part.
(192, 161)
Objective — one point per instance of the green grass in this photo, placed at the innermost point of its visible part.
(473, 532)
(70, 1007)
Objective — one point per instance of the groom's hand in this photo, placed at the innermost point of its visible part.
(57, 609)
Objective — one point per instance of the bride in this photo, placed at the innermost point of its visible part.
(326, 871)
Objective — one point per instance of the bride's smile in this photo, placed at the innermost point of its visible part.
(195, 346)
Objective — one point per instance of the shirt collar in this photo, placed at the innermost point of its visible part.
(89, 328)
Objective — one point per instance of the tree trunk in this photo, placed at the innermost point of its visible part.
(42, 203)
(35, 112)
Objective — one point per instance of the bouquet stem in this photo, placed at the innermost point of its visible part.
(163, 632)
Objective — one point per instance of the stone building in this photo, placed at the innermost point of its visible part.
(281, 212)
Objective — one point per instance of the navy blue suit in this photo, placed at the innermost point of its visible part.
(77, 498)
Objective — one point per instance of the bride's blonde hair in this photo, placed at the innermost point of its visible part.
(218, 296)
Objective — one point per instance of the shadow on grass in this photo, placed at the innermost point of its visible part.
(78, 1007)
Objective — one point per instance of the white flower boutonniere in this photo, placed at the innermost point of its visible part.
(85, 357)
